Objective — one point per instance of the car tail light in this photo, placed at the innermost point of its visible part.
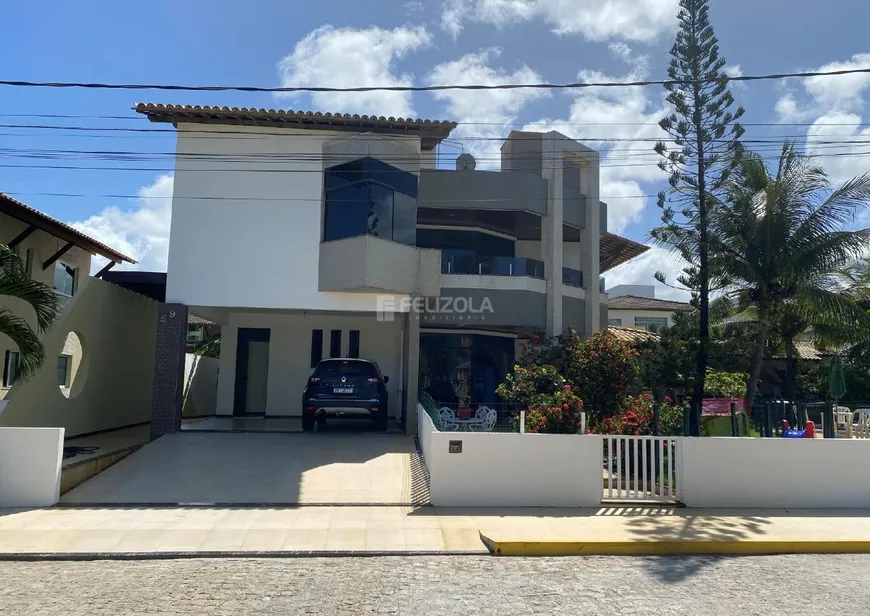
(374, 380)
(375, 409)
(309, 408)
(314, 380)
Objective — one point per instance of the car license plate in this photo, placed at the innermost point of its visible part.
(342, 390)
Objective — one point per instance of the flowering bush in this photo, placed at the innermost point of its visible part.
(601, 369)
(551, 404)
(559, 414)
(636, 418)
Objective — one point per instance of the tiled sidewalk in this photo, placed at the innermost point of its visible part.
(395, 529)
(316, 529)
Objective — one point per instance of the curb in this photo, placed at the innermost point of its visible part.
(247, 554)
(661, 548)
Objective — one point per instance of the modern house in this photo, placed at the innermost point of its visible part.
(338, 236)
(59, 256)
(636, 306)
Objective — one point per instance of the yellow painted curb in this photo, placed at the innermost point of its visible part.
(645, 548)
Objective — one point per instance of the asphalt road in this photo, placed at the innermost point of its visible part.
(698, 586)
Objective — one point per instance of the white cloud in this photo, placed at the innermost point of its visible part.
(623, 124)
(141, 233)
(348, 57)
(486, 116)
(597, 20)
(834, 105)
(642, 270)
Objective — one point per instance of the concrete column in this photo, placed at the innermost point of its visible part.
(227, 370)
(551, 229)
(590, 241)
(167, 398)
(411, 370)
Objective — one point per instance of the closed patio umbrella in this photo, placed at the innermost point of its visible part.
(837, 380)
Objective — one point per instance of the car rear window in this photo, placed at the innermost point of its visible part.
(345, 368)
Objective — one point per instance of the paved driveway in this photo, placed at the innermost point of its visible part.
(246, 468)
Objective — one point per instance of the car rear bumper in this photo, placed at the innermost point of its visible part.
(344, 408)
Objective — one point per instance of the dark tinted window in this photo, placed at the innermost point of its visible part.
(344, 368)
(335, 343)
(347, 212)
(353, 343)
(367, 196)
(316, 346)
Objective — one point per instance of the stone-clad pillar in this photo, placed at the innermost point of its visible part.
(168, 389)
(551, 229)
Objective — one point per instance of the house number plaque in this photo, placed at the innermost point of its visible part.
(455, 446)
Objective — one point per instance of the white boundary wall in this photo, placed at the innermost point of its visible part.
(30, 462)
(511, 470)
(797, 473)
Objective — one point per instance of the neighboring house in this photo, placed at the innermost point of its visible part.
(643, 312)
(326, 232)
(199, 329)
(59, 256)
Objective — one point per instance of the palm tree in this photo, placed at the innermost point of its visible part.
(14, 282)
(779, 245)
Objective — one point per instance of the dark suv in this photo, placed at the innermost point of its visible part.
(346, 388)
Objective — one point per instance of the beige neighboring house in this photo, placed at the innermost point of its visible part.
(643, 312)
(59, 256)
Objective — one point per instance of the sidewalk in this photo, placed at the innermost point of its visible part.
(203, 532)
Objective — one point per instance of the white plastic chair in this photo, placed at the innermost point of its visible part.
(486, 419)
(843, 418)
(862, 430)
(448, 420)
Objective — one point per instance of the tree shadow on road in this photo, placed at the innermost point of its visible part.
(679, 525)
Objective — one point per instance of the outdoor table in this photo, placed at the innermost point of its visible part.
(469, 422)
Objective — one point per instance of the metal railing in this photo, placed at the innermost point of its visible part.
(508, 415)
(642, 468)
(491, 266)
(572, 277)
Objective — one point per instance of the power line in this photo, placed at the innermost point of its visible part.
(140, 118)
(434, 88)
(311, 200)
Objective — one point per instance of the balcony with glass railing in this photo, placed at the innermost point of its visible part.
(572, 277)
(470, 264)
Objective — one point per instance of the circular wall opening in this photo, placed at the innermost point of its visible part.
(72, 365)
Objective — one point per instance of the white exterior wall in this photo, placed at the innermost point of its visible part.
(30, 461)
(807, 473)
(628, 316)
(290, 355)
(508, 470)
(254, 242)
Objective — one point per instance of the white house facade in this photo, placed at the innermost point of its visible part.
(338, 236)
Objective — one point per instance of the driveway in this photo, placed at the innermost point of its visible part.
(263, 468)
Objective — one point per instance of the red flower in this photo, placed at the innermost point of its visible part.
(565, 407)
(567, 388)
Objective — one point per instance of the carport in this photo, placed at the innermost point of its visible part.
(244, 468)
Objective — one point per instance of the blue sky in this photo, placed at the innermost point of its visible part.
(379, 42)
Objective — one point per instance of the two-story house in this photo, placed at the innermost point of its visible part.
(53, 253)
(335, 235)
(637, 306)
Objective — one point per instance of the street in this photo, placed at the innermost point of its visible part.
(698, 586)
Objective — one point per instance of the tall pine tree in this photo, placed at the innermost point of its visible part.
(706, 145)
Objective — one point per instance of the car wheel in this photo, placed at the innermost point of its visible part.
(381, 422)
(307, 421)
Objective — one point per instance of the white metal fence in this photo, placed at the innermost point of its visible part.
(642, 468)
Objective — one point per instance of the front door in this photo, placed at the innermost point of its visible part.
(252, 371)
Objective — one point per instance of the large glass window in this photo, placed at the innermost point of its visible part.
(10, 367)
(464, 369)
(64, 278)
(651, 323)
(368, 197)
